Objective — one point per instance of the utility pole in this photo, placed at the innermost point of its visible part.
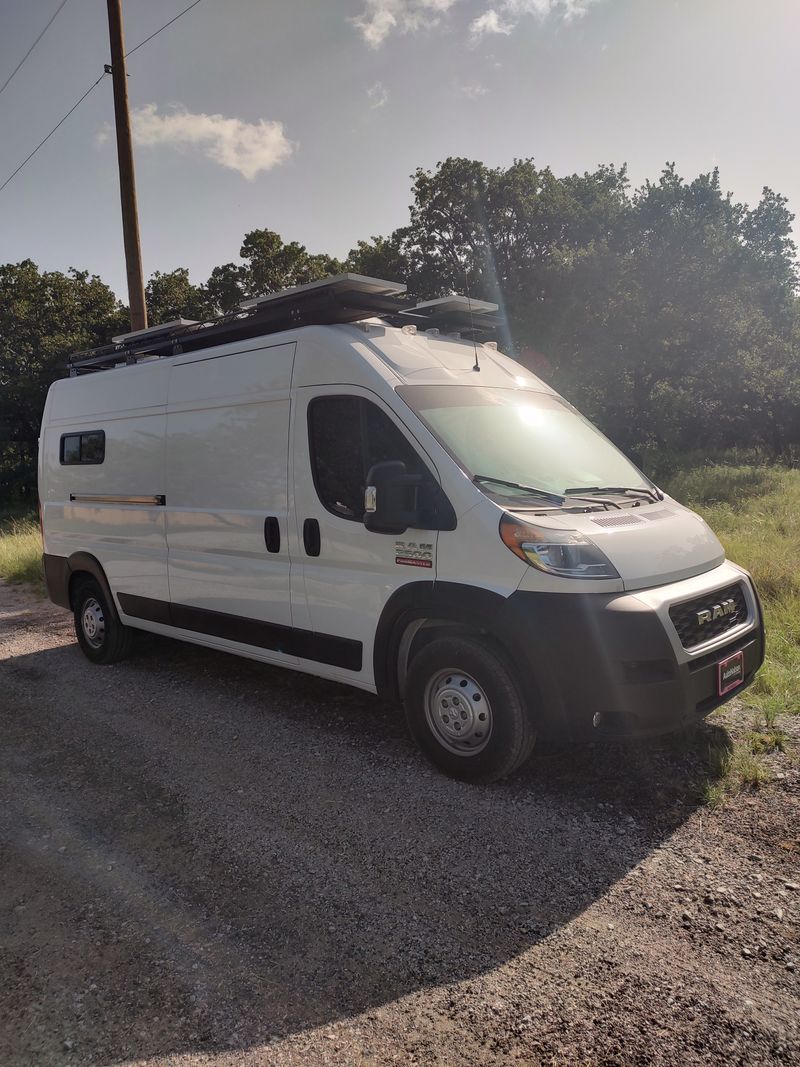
(127, 178)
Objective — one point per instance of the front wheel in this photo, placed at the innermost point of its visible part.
(465, 711)
(102, 637)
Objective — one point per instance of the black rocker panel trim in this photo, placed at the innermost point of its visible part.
(321, 648)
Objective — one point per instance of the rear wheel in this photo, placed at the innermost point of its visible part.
(102, 637)
(465, 711)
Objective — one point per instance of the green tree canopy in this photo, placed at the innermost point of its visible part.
(44, 316)
(657, 310)
(172, 296)
(668, 313)
(270, 264)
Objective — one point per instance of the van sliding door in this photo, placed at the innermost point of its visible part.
(227, 498)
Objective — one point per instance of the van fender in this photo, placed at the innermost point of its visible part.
(60, 572)
(455, 606)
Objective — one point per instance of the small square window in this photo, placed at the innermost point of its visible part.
(80, 448)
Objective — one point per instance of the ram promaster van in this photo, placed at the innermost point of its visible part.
(337, 481)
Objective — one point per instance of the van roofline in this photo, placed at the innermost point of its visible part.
(346, 298)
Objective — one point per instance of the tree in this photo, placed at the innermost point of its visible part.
(270, 265)
(658, 310)
(43, 318)
(172, 296)
(273, 265)
(227, 287)
(380, 257)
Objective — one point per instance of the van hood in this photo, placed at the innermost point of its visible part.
(649, 545)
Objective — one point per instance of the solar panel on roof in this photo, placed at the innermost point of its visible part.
(154, 331)
(338, 284)
(448, 305)
(344, 298)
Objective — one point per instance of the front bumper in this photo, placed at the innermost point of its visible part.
(613, 663)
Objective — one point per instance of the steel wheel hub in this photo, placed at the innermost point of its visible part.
(458, 712)
(93, 623)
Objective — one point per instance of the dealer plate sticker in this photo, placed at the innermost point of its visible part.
(730, 673)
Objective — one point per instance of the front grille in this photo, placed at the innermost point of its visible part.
(685, 616)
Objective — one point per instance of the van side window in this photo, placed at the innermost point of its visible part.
(337, 460)
(347, 434)
(83, 448)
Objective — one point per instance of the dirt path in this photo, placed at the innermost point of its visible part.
(209, 861)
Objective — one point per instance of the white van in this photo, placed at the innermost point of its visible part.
(335, 481)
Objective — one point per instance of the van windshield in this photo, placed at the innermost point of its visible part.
(533, 442)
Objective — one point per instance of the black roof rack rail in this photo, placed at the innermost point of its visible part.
(345, 298)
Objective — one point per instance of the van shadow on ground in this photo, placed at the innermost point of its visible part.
(201, 852)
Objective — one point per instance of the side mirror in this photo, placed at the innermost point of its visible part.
(391, 502)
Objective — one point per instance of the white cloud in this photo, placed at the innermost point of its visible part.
(377, 95)
(503, 19)
(473, 91)
(381, 17)
(488, 22)
(246, 147)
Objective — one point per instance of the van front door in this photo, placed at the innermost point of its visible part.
(342, 573)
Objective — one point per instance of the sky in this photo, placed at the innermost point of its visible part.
(309, 116)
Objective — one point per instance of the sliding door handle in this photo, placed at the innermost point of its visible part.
(311, 538)
(272, 534)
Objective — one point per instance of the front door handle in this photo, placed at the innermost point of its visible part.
(272, 534)
(311, 538)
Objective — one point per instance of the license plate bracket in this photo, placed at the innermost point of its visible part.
(730, 673)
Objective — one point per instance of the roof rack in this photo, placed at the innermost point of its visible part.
(343, 298)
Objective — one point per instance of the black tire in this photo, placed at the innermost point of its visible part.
(460, 674)
(102, 637)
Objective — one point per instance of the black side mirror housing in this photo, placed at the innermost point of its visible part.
(391, 499)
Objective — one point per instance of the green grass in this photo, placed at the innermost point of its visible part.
(21, 552)
(755, 512)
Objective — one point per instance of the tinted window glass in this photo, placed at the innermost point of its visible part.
(93, 446)
(71, 448)
(337, 455)
(347, 435)
(385, 442)
(88, 447)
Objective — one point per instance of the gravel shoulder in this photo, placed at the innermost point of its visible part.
(204, 860)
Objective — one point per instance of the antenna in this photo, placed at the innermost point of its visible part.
(477, 365)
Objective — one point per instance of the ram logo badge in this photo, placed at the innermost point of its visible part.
(727, 607)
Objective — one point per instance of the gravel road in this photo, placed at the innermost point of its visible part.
(210, 861)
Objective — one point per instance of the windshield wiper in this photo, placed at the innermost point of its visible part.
(652, 494)
(546, 494)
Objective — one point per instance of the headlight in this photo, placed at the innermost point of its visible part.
(566, 553)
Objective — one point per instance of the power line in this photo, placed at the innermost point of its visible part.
(92, 86)
(158, 31)
(41, 35)
(47, 138)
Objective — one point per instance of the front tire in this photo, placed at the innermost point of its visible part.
(102, 637)
(465, 710)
